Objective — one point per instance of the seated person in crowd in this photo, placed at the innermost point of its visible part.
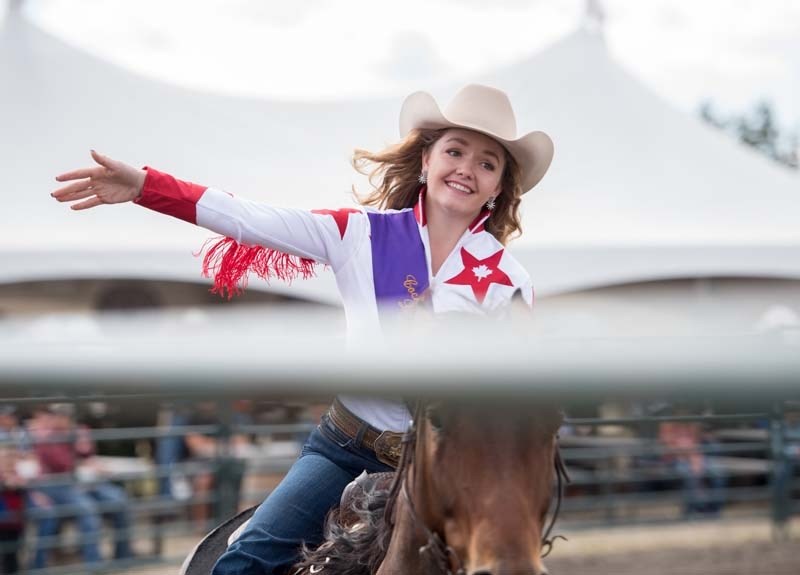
(204, 447)
(60, 447)
(19, 500)
(11, 494)
(702, 481)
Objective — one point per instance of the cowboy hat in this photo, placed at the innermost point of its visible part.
(488, 111)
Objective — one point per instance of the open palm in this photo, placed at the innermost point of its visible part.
(110, 182)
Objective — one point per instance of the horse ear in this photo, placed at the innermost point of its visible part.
(558, 419)
(551, 418)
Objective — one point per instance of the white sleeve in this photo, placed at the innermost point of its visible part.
(326, 236)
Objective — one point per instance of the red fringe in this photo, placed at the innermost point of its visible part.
(230, 263)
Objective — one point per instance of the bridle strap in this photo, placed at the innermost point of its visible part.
(562, 477)
(444, 556)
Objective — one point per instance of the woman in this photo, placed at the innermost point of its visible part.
(449, 192)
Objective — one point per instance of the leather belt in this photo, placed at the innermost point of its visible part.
(387, 445)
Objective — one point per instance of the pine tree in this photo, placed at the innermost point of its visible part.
(757, 129)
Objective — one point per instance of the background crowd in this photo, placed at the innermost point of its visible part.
(54, 476)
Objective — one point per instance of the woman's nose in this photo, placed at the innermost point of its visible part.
(464, 170)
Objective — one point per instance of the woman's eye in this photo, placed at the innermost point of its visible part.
(488, 166)
(454, 153)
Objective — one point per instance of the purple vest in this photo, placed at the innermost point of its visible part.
(399, 267)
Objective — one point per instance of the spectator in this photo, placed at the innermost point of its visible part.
(786, 467)
(60, 445)
(204, 447)
(18, 467)
(170, 451)
(702, 481)
(11, 495)
(11, 522)
(792, 439)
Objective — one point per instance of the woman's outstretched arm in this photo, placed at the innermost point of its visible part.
(324, 236)
(318, 235)
(109, 182)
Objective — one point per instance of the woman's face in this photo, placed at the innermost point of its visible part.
(464, 170)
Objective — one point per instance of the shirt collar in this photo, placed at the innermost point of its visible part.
(477, 225)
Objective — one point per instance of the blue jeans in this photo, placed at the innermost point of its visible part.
(170, 450)
(46, 530)
(702, 491)
(83, 506)
(294, 513)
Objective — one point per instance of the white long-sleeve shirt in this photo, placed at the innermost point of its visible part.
(478, 276)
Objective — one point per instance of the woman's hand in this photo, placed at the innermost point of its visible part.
(111, 182)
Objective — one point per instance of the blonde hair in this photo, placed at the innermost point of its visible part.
(394, 171)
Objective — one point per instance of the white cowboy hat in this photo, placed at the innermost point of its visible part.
(488, 111)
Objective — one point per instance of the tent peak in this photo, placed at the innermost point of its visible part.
(13, 9)
(14, 6)
(594, 17)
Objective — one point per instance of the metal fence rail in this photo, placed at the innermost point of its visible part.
(291, 355)
(619, 467)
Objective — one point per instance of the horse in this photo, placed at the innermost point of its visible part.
(470, 496)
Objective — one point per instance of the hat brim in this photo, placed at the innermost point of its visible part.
(533, 152)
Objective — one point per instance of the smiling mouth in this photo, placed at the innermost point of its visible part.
(459, 187)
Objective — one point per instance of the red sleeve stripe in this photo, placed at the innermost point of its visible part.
(478, 224)
(167, 195)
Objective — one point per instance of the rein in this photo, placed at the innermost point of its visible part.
(563, 478)
(444, 556)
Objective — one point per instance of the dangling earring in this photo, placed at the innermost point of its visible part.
(423, 177)
(490, 204)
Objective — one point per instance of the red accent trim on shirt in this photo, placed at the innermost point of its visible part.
(480, 274)
(230, 263)
(168, 195)
(340, 217)
(478, 224)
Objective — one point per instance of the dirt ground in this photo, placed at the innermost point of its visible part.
(738, 547)
(724, 547)
(761, 558)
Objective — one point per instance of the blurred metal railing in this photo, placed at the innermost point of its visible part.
(621, 481)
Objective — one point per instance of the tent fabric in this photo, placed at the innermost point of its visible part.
(637, 189)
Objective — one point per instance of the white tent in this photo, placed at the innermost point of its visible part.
(637, 190)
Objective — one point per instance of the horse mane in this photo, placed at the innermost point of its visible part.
(352, 548)
(359, 548)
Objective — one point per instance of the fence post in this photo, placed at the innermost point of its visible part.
(781, 481)
(229, 469)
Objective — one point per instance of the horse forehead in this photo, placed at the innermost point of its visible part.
(494, 446)
(502, 411)
(512, 425)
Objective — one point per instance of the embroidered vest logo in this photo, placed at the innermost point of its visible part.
(414, 298)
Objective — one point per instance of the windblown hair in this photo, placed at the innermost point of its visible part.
(394, 172)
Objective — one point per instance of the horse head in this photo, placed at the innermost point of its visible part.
(476, 489)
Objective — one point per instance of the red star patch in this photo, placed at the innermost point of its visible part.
(340, 216)
(479, 274)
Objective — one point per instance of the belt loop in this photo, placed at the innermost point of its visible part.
(362, 429)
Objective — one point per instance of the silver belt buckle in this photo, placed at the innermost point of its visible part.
(388, 447)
